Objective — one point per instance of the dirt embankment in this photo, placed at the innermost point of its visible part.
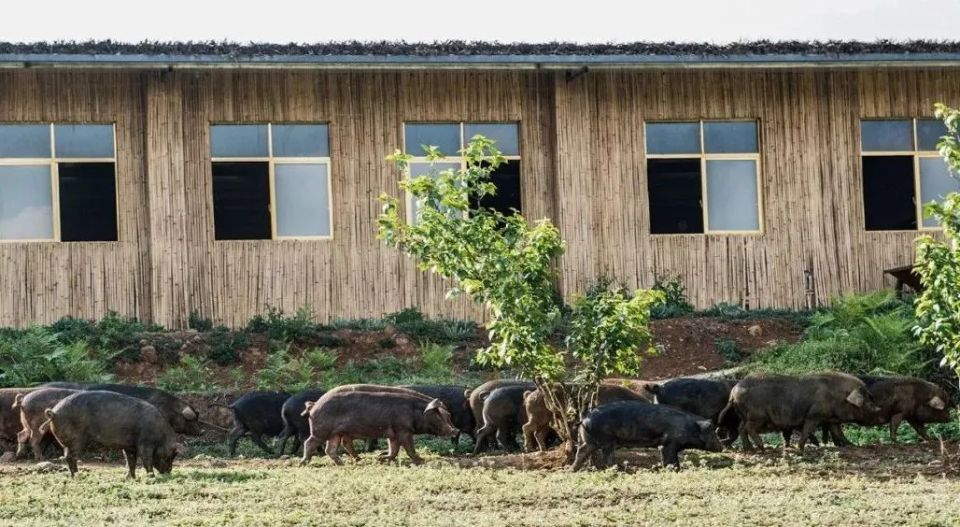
(686, 346)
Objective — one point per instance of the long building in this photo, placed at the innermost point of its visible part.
(160, 180)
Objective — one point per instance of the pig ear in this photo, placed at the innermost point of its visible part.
(705, 426)
(855, 398)
(937, 403)
(306, 408)
(434, 405)
(189, 414)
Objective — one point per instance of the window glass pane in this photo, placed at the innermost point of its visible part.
(673, 186)
(84, 140)
(303, 194)
(300, 140)
(888, 193)
(88, 202)
(935, 183)
(26, 210)
(505, 135)
(24, 140)
(421, 169)
(444, 136)
(238, 140)
(732, 202)
(886, 136)
(507, 198)
(730, 137)
(673, 138)
(241, 201)
(929, 132)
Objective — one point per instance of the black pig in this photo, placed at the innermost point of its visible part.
(258, 414)
(641, 424)
(114, 421)
(295, 422)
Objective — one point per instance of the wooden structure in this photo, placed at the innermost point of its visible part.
(583, 166)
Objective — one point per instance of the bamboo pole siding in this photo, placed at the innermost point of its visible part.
(583, 166)
(42, 282)
(810, 172)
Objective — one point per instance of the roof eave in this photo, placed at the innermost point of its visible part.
(16, 61)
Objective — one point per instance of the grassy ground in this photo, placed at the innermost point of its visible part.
(883, 485)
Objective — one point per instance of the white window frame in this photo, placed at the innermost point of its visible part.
(271, 164)
(704, 156)
(422, 159)
(54, 163)
(916, 154)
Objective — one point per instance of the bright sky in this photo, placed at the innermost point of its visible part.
(503, 20)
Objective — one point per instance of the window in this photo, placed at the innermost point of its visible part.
(450, 138)
(703, 177)
(57, 182)
(271, 181)
(902, 172)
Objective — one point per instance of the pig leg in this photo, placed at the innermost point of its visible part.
(347, 443)
(282, 438)
(310, 446)
(809, 427)
(670, 455)
(836, 433)
(235, 434)
(38, 443)
(608, 456)
(130, 456)
(331, 449)
(455, 440)
(751, 432)
(23, 437)
(393, 449)
(507, 439)
(258, 440)
(372, 445)
(69, 454)
(485, 431)
(920, 428)
(146, 457)
(584, 452)
(406, 440)
(787, 434)
(541, 437)
(529, 436)
(895, 421)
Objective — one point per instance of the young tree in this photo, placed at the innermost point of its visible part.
(506, 264)
(938, 262)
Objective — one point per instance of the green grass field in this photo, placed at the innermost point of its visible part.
(882, 485)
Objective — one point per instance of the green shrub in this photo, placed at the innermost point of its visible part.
(284, 371)
(198, 322)
(858, 334)
(729, 350)
(405, 316)
(116, 332)
(298, 328)
(676, 303)
(36, 355)
(192, 374)
(70, 330)
(436, 359)
(359, 324)
(225, 345)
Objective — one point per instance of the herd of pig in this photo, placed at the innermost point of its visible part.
(673, 415)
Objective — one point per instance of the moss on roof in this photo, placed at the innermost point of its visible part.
(464, 48)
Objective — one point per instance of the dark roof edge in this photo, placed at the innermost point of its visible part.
(475, 61)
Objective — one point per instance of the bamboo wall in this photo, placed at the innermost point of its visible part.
(583, 166)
